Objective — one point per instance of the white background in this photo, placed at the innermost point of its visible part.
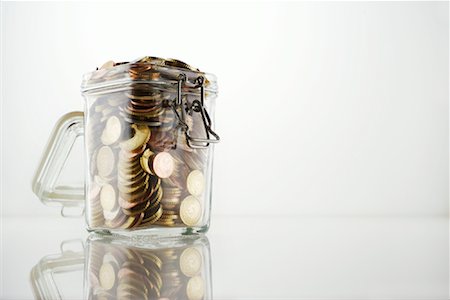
(331, 180)
(324, 108)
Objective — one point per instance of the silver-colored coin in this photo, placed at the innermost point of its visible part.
(195, 182)
(195, 288)
(190, 211)
(108, 197)
(112, 131)
(107, 276)
(191, 261)
(105, 161)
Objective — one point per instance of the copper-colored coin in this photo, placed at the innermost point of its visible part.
(163, 165)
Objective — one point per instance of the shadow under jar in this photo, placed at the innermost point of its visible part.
(148, 138)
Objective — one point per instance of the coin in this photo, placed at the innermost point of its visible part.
(195, 182)
(109, 257)
(118, 220)
(96, 213)
(163, 165)
(132, 221)
(107, 276)
(112, 131)
(144, 160)
(195, 288)
(139, 152)
(115, 99)
(112, 215)
(191, 262)
(94, 190)
(133, 187)
(105, 161)
(100, 181)
(140, 137)
(190, 211)
(150, 218)
(137, 209)
(108, 197)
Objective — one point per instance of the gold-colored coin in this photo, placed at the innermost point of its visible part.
(190, 211)
(195, 288)
(132, 221)
(141, 136)
(145, 159)
(191, 262)
(195, 182)
(133, 187)
(151, 218)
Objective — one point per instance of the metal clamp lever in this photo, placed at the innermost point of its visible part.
(198, 107)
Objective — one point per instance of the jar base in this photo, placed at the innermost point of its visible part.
(155, 232)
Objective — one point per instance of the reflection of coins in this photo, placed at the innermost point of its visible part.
(112, 131)
(105, 161)
(108, 197)
(195, 288)
(195, 182)
(190, 211)
(191, 262)
(107, 276)
(163, 164)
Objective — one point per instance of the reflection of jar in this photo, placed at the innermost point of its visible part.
(148, 138)
(121, 268)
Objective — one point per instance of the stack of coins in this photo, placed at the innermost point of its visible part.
(143, 173)
(127, 272)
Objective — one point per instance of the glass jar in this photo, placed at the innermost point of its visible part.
(148, 132)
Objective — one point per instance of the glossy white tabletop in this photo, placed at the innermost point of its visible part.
(307, 257)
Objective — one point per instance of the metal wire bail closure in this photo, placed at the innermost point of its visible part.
(196, 107)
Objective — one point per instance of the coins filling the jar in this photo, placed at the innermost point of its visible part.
(142, 171)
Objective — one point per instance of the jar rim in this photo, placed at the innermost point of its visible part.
(123, 73)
